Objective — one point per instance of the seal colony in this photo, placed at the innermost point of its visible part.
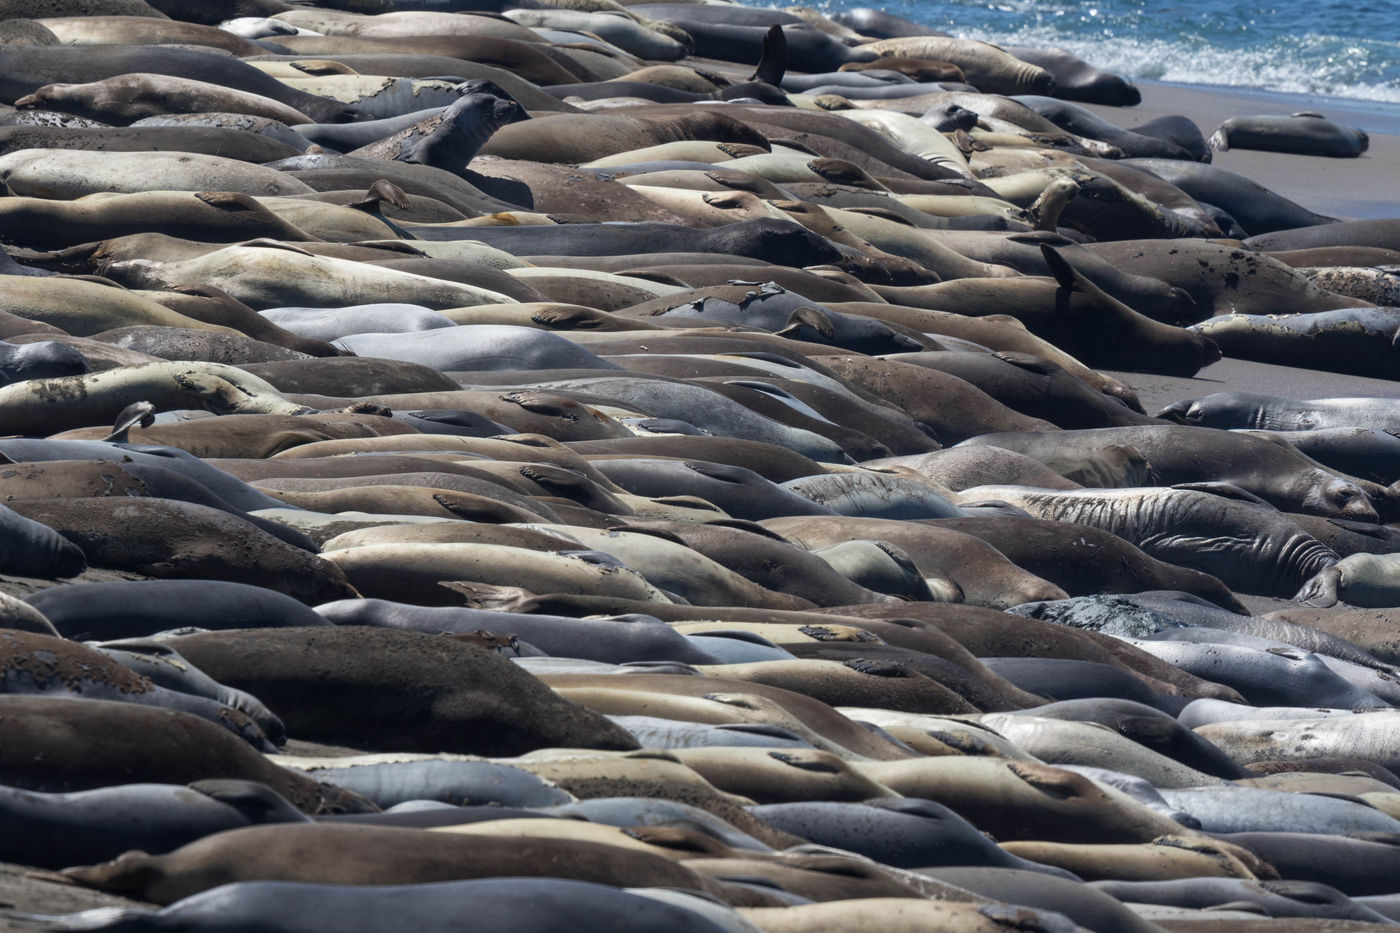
(652, 466)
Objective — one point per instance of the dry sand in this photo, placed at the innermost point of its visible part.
(1364, 187)
(1368, 186)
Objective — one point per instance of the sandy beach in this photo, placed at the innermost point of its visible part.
(1348, 188)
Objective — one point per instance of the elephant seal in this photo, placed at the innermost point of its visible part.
(57, 173)
(42, 360)
(903, 833)
(163, 537)
(374, 855)
(1080, 121)
(1303, 133)
(989, 68)
(1191, 455)
(94, 398)
(42, 665)
(1356, 341)
(1083, 561)
(613, 639)
(473, 347)
(1023, 800)
(28, 69)
(1358, 866)
(449, 139)
(85, 826)
(57, 746)
(1278, 899)
(469, 716)
(496, 906)
(464, 783)
(1363, 580)
(1274, 413)
(137, 608)
(984, 575)
(1258, 209)
(124, 99)
(1253, 547)
(1077, 80)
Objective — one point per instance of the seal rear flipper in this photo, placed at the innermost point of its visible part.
(381, 190)
(1321, 590)
(772, 64)
(142, 413)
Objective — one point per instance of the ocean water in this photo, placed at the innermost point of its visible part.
(1332, 48)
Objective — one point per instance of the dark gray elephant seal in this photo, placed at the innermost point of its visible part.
(1275, 413)
(1076, 79)
(57, 830)
(1082, 122)
(1258, 209)
(450, 139)
(1355, 341)
(495, 905)
(903, 833)
(42, 360)
(1302, 133)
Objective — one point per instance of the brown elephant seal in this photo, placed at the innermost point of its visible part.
(452, 696)
(986, 577)
(349, 854)
(165, 538)
(59, 745)
(207, 216)
(1084, 560)
(124, 99)
(1019, 800)
(570, 138)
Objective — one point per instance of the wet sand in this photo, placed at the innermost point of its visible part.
(1156, 392)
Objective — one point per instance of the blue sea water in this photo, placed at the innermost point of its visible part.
(1334, 48)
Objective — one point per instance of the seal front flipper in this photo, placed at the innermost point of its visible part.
(1225, 491)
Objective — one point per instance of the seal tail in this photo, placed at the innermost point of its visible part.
(1219, 141)
(772, 64)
